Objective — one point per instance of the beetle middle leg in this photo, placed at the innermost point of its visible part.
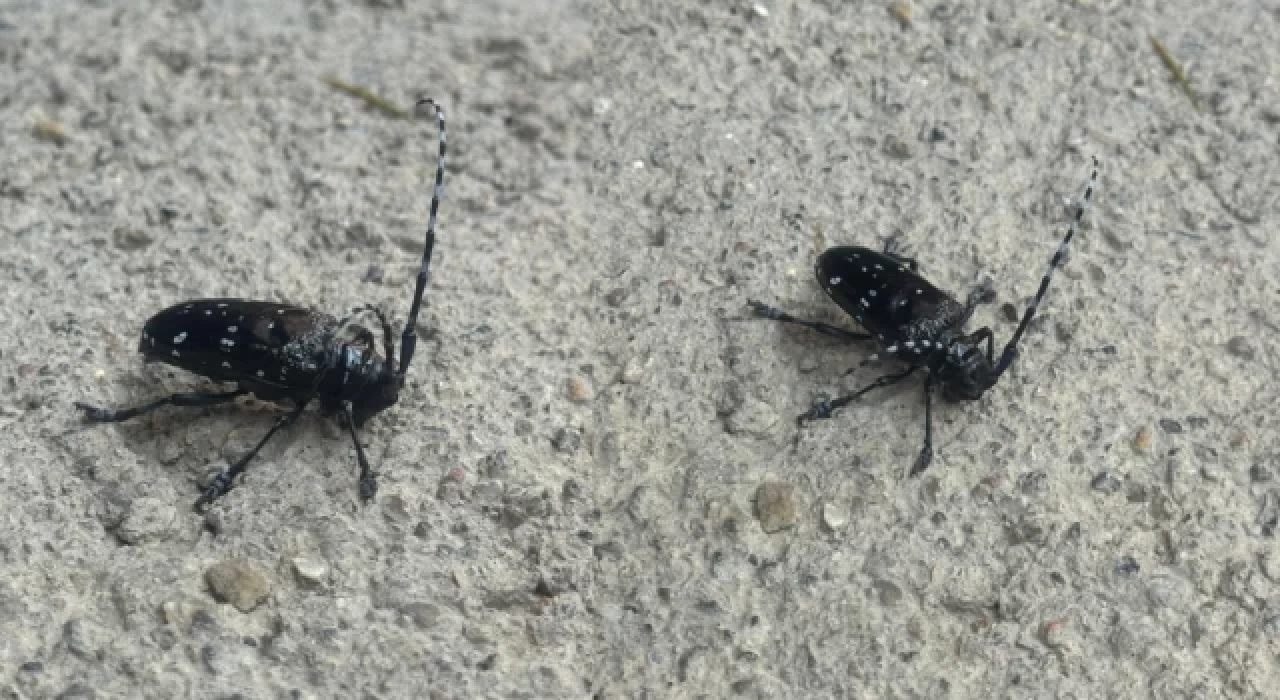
(368, 479)
(824, 409)
(97, 414)
(223, 481)
(926, 452)
(766, 311)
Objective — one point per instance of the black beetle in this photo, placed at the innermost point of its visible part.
(286, 354)
(917, 323)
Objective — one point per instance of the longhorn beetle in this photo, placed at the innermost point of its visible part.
(917, 323)
(286, 355)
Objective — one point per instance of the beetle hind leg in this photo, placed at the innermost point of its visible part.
(98, 414)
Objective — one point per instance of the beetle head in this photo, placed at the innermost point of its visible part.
(965, 372)
(377, 396)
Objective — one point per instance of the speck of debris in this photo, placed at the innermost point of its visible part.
(776, 506)
(1010, 312)
(895, 147)
(1143, 438)
(834, 516)
(147, 520)
(1260, 473)
(1240, 347)
(237, 582)
(309, 572)
(49, 131)
(1105, 482)
(566, 440)
(1127, 566)
(1170, 426)
(901, 11)
(579, 390)
(128, 238)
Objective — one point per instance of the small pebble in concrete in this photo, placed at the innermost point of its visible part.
(147, 520)
(579, 390)
(1241, 347)
(776, 506)
(834, 516)
(237, 582)
(310, 572)
(1143, 438)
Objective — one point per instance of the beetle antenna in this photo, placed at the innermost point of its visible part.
(409, 339)
(1011, 350)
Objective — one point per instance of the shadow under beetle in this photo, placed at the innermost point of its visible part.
(286, 355)
(917, 323)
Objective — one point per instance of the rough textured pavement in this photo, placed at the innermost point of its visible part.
(593, 485)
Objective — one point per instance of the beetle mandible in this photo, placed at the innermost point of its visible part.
(917, 323)
(286, 355)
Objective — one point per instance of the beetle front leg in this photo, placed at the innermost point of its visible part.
(368, 479)
(225, 479)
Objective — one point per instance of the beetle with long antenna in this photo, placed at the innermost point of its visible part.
(917, 323)
(287, 355)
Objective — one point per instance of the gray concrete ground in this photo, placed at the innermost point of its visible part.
(593, 485)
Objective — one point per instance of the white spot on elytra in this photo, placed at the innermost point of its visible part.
(910, 344)
(226, 364)
(177, 354)
(222, 306)
(879, 266)
(232, 329)
(864, 302)
(872, 292)
(864, 268)
(835, 280)
(261, 373)
(227, 343)
(891, 349)
(179, 337)
(919, 291)
(925, 343)
(208, 312)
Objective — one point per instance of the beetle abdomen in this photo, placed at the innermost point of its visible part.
(883, 295)
(236, 340)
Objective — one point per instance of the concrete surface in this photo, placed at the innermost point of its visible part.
(568, 504)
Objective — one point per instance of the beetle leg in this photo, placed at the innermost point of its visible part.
(983, 293)
(368, 479)
(982, 334)
(824, 409)
(926, 452)
(95, 414)
(765, 311)
(891, 247)
(223, 481)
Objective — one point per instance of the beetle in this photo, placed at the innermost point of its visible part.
(917, 323)
(287, 355)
